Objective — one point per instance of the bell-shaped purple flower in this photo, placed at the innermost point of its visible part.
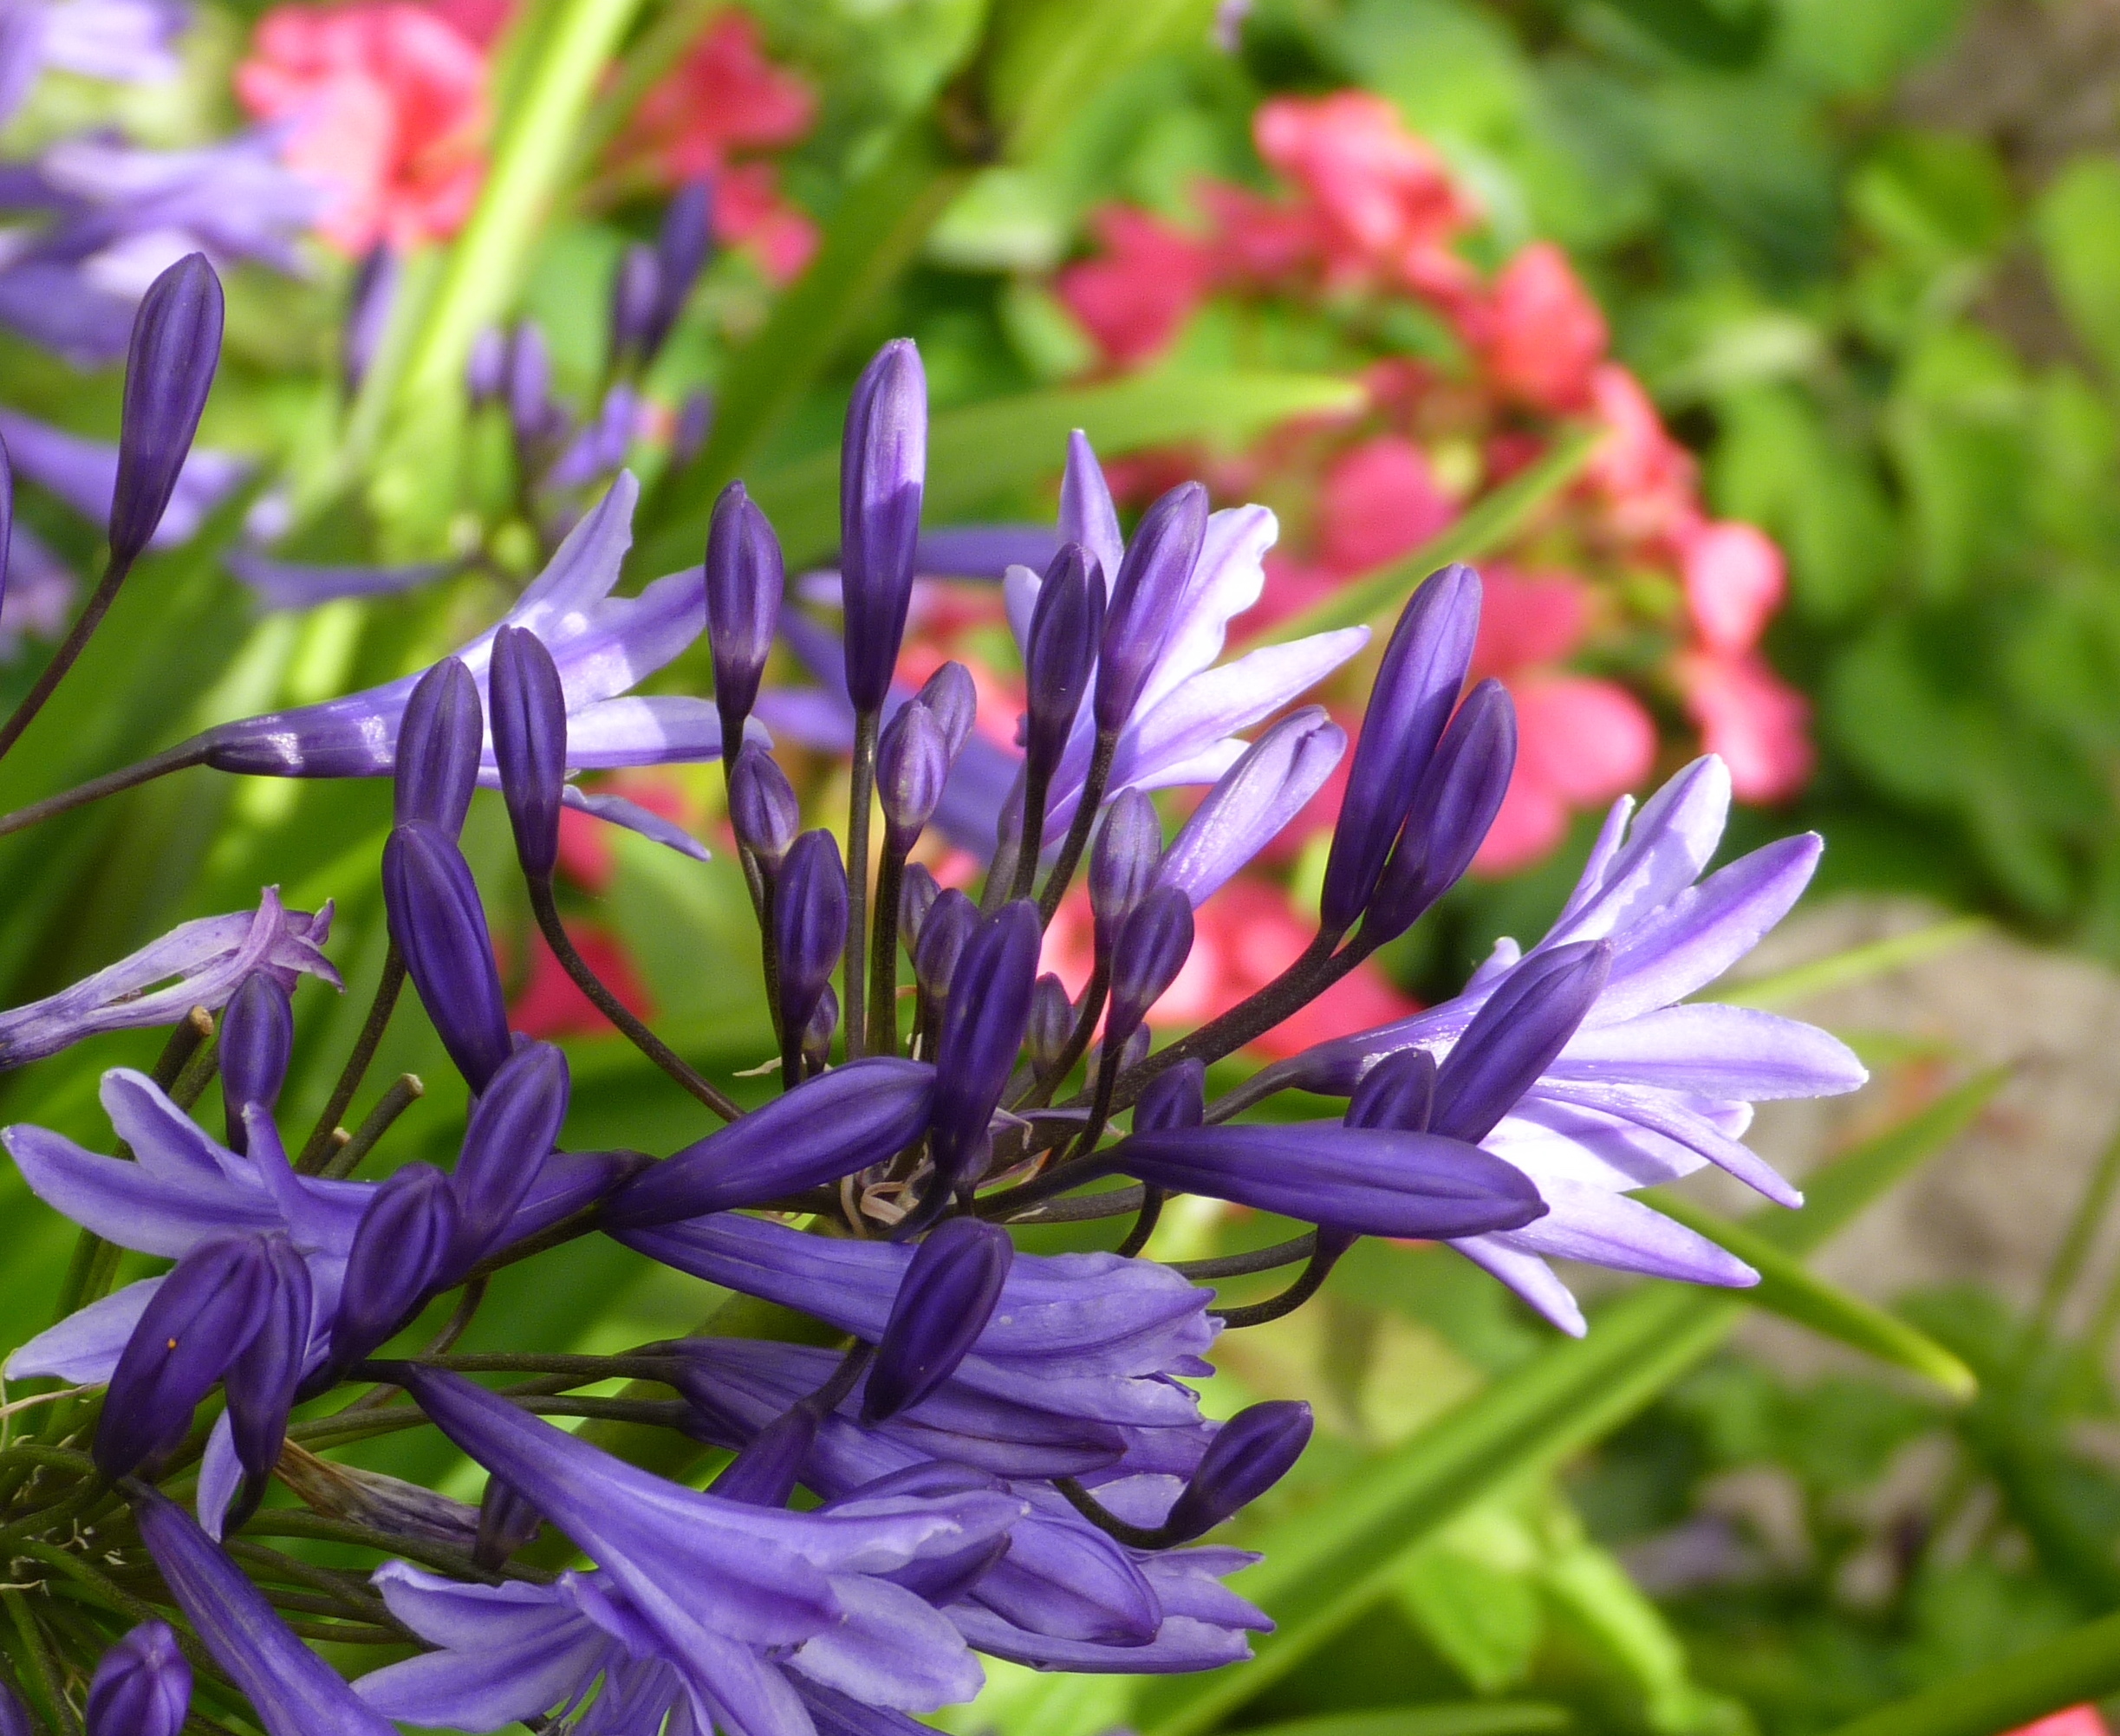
(440, 740)
(407, 1239)
(168, 371)
(1416, 689)
(257, 1038)
(831, 1126)
(1516, 1036)
(1067, 626)
(882, 473)
(636, 289)
(945, 932)
(1458, 796)
(913, 764)
(1176, 1097)
(983, 1027)
(764, 1471)
(1251, 801)
(763, 809)
(1150, 952)
(200, 1320)
(744, 583)
(263, 1377)
(530, 744)
(917, 892)
(1052, 1021)
(1145, 599)
(515, 1123)
(440, 925)
(142, 1686)
(293, 1692)
(810, 923)
(1249, 1454)
(946, 1298)
(1122, 863)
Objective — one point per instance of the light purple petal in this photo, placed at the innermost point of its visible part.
(291, 585)
(618, 811)
(509, 1651)
(1613, 1230)
(1530, 1277)
(890, 1649)
(1670, 842)
(84, 1348)
(122, 1203)
(1228, 579)
(1661, 1112)
(1714, 1051)
(1247, 808)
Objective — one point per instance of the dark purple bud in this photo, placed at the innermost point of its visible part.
(263, 1380)
(766, 1473)
(1459, 795)
(826, 1128)
(951, 694)
(1122, 863)
(1399, 1091)
(1052, 1021)
(1066, 626)
(529, 386)
(917, 892)
(913, 764)
(440, 739)
(168, 371)
(257, 1038)
(1416, 689)
(940, 1579)
(1131, 1052)
(14, 1715)
(695, 421)
(817, 1045)
(485, 372)
(530, 744)
(192, 1328)
(810, 923)
(1151, 950)
(983, 1026)
(944, 935)
(440, 927)
(1513, 1038)
(515, 1124)
(367, 313)
(636, 292)
(744, 583)
(763, 810)
(1249, 1454)
(682, 249)
(507, 1522)
(142, 1686)
(1177, 1097)
(405, 1243)
(1145, 597)
(882, 470)
(947, 1295)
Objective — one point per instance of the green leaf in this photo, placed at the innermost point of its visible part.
(2078, 223)
(1724, 33)
(1327, 1564)
(2078, 1667)
(1856, 965)
(988, 449)
(1789, 1288)
(1447, 1717)
(1491, 521)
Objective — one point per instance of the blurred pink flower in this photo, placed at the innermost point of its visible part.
(2077, 1720)
(1735, 580)
(1646, 477)
(1136, 296)
(1580, 742)
(386, 108)
(1379, 500)
(1543, 336)
(1528, 618)
(1753, 719)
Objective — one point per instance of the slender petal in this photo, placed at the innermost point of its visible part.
(744, 583)
(1249, 1454)
(530, 744)
(439, 742)
(1455, 804)
(810, 923)
(1251, 801)
(257, 1038)
(1150, 585)
(883, 464)
(983, 1028)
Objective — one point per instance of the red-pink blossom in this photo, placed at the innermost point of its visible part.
(1645, 477)
(1544, 335)
(1580, 742)
(1735, 580)
(1754, 719)
(1378, 501)
(1134, 298)
(385, 104)
(1527, 619)
(2077, 1720)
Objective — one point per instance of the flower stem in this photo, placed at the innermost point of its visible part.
(1324, 1255)
(42, 1666)
(177, 758)
(1037, 787)
(316, 1150)
(1077, 839)
(405, 1090)
(853, 1004)
(609, 1005)
(70, 648)
(883, 955)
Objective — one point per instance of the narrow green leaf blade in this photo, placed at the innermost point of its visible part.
(2080, 1666)
(1789, 1288)
(1445, 1718)
(1859, 964)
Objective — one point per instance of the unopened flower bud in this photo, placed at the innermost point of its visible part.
(882, 474)
(810, 925)
(817, 1045)
(1144, 598)
(169, 372)
(744, 583)
(406, 1242)
(1066, 627)
(951, 694)
(913, 764)
(1122, 863)
(983, 1028)
(440, 925)
(1052, 1021)
(530, 744)
(258, 1039)
(441, 737)
(1249, 1454)
(1459, 795)
(948, 1293)
(1177, 1097)
(917, 892)
(1150, 952)
(766, 1473)
(142, 1686)
(515, 1124)
(1399, 1091)
(763, 810)
(636, 289)
(507, 1522)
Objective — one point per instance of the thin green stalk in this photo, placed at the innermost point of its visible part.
(126, 777)
(640, 69)
(42, 1666)
(883, 954)
(405, 1090)
(2080, 1666)
(852, 1005)
(2084, 1224)
(1077, 839)
(316, 1150)
(64, 658)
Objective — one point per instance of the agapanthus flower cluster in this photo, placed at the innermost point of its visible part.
(971, 1449)
(1626, 570)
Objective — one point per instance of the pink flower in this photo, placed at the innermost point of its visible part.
(748, 212)
(2077, 1720)
(1580, 742)
(1387, 197)
(1545, 335)
(1133, 297)
(1646, 477)
(1528, 618)
(1754, 719)
(1379, 500)
(385, 104)
(1735, 580)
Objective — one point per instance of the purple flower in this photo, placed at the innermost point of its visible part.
(169, 369)
(1151, 950)
(439, 744)
(745, 582)
(1249, 1454)
(810, 923)
(602, 646)
(258, 1039)
(210, 958)
(142, 1685)
(762, 809)
(1251, 801)
(293, 1691)
(439, 926)
(983, 1026)
(944, 1302)
(727, 1594)
(913, 764)
(1060, 654)
(528, 725)
(882, 472)
(1651, 1085)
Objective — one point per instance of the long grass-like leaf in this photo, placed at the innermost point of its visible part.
(2079, 1665)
